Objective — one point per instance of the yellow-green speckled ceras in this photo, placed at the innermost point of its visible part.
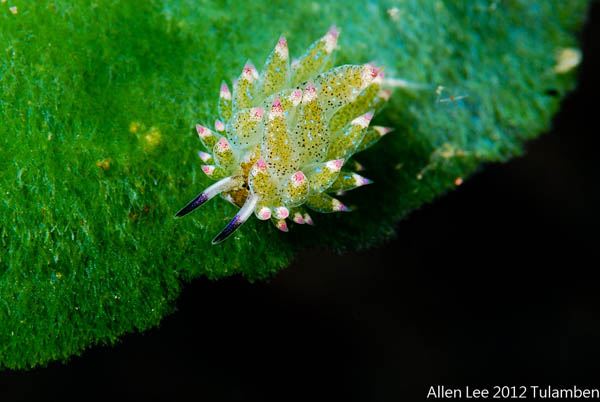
(285, 134)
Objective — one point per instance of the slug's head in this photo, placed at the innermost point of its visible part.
(285, 134)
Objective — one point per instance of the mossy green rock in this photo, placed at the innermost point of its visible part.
(97, 151)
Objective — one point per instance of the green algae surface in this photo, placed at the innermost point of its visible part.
(98, 101)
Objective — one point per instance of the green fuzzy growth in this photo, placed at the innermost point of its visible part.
(98, 151)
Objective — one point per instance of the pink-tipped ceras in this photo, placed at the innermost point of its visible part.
(284, 135)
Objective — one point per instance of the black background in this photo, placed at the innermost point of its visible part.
(491, 284)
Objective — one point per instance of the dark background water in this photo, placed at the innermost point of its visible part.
(493, 284)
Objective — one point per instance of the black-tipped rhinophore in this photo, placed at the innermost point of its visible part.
(229, 229)
(220, 186)
(195, 203)
(237, 221)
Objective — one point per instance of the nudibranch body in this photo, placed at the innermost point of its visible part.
(284, 135)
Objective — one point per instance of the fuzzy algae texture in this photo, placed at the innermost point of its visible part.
(97, 149)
